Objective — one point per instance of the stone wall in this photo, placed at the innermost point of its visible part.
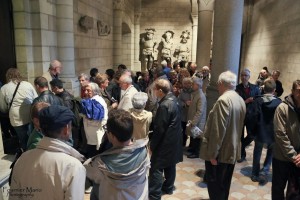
(272, 39)
(35, 36)
(174, 15)
(92, 49)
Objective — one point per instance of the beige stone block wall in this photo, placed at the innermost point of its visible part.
(92, 50)
(166, 15)
(273, 40)
(35, 36)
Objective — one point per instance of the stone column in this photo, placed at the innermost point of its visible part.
(137, 62)
(205, 19)
(194, 17)
(117, 32)
(226, 42)
(65, 45)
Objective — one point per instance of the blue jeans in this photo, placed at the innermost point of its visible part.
(256, 158)
(23, 134)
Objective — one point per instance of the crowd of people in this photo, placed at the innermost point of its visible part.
(124, 135)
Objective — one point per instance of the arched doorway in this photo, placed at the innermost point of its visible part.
(127, 46)
(7, 41)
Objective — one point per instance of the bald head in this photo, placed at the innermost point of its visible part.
(55, 67)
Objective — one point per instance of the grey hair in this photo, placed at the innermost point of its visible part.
(53, 64)
(139, 100)
(229, 79)
(126, 79)
(95, 88)
(246, 71)
(198, 81)
(84, 75)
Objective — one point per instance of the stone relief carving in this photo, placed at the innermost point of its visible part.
(103, 28)
(148, 48)
(182, 52)
(167, 46)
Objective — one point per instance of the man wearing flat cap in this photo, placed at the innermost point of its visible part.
(53, 170)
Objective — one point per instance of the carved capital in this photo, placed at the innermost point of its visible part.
(194, 17)
(119, 4)
(137, 17)
(206, 5)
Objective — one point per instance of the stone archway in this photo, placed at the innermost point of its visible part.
(127, 46)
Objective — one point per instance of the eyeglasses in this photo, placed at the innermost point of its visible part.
(244, 75)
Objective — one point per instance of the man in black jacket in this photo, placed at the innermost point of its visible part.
(58, 90)
(45, 95)
(166, 142)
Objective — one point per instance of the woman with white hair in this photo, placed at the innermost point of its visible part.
(196, 114)
(141, 118)
(93, 126)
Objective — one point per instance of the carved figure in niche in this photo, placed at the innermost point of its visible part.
(182, 52)
(167, 46)
(149, 53)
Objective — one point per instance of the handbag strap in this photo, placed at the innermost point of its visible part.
(14, 95)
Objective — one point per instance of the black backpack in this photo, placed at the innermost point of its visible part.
(76, 109)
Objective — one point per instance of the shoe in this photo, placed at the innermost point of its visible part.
(88, 190)
(263, 179)
(255, 178)
(168, 192)
(241, 160)
(193, 156)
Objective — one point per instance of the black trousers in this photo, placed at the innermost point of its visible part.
(184, 136)
(280, 175)
(245, 142)
(195, 145)
(218, 180)
(157, 184)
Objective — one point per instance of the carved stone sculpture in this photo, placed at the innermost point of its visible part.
(167, 46)
(182, 52)
(149, 52)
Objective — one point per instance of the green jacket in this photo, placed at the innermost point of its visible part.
(34, 138)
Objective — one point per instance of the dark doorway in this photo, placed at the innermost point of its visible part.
(7, 41)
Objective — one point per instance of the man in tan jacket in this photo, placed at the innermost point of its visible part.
(221, 141)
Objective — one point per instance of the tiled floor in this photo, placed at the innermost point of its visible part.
(190, 187)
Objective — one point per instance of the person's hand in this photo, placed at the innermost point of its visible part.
(297, 160)
(213, 161)
(188, 103)
(114, 105)
(249, 100)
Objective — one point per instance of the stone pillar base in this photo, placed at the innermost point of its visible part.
(72, 85)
